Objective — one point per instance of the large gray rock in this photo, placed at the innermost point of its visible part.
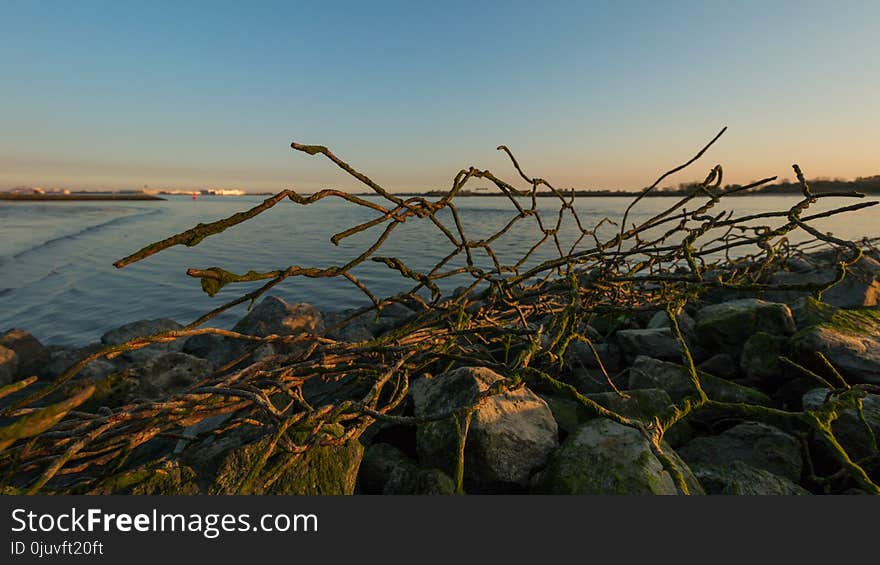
(760, 445)
(141, 328)
(510, 436)
(8, 365)
(654, 342)
(585, 373)
(675, 380)
(604, 457)
(760, 357)
(726, 326)
(275, 316)
(170, 372)
(144, 328)
(367, 325)
(661, 320)
(854, 352)
(32, 355)
(386, 470)
(643, 404)
(217, 349)
(62, 359)
(358, 329)
(854, 435)
(159, 477)
(860, 288)
(720, 365)
(230, 463)
(738, 478)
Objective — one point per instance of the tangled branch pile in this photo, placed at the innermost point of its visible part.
(519, 318)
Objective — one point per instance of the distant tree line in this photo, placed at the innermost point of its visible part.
(866, 185)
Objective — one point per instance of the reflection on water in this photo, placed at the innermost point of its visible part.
(57, 279)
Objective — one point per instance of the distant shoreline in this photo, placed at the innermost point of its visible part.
(75, 197)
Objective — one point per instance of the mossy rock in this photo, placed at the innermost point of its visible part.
(642, 404)
(757, 444)
(386, 470)
(510, 434)
(741, 479)
(849, 339)
(760, 357)
(608, 323)
(604, 457)
(860, 322)
(675, 379)
(322, 469)
(726, 326)
(856, 434)
(116, 389)
(166, 477)
(808, 311)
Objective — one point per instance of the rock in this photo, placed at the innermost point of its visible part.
(167, 478)
(275, 316)
(585, 374)
(143, 328)
(567, 413)
(604, 457)
(850, 339)
(661, 320)
(140, 328)
(393, 315)
(63, 359)
(738, 478)
(643, 404)
(322, 469)
(675, 380)
(32, 355)
(808, 311)
(608, 323)
(655, 342)
(854, 436)
(170, 372)
(8, 365)
(760, 357)
(361, 328)
(860, 288)
(217, 349)
(367, 325)
(726, 326)
(592, 380)
(386, 470)
(852, 292)
(581, 359)
(203, 427)
(720, 365)
(760, 445)
(510, 435)
(113, 390)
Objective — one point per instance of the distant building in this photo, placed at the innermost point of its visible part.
(28, 190)
(224, 192)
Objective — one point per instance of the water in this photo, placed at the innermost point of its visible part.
(57, 280)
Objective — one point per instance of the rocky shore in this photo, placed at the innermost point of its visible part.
(749, 348)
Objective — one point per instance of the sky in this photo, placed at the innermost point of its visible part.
(117, 95)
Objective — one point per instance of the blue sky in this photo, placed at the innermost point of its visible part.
(588, 94)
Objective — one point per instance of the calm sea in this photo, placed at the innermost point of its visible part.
(57, 280)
